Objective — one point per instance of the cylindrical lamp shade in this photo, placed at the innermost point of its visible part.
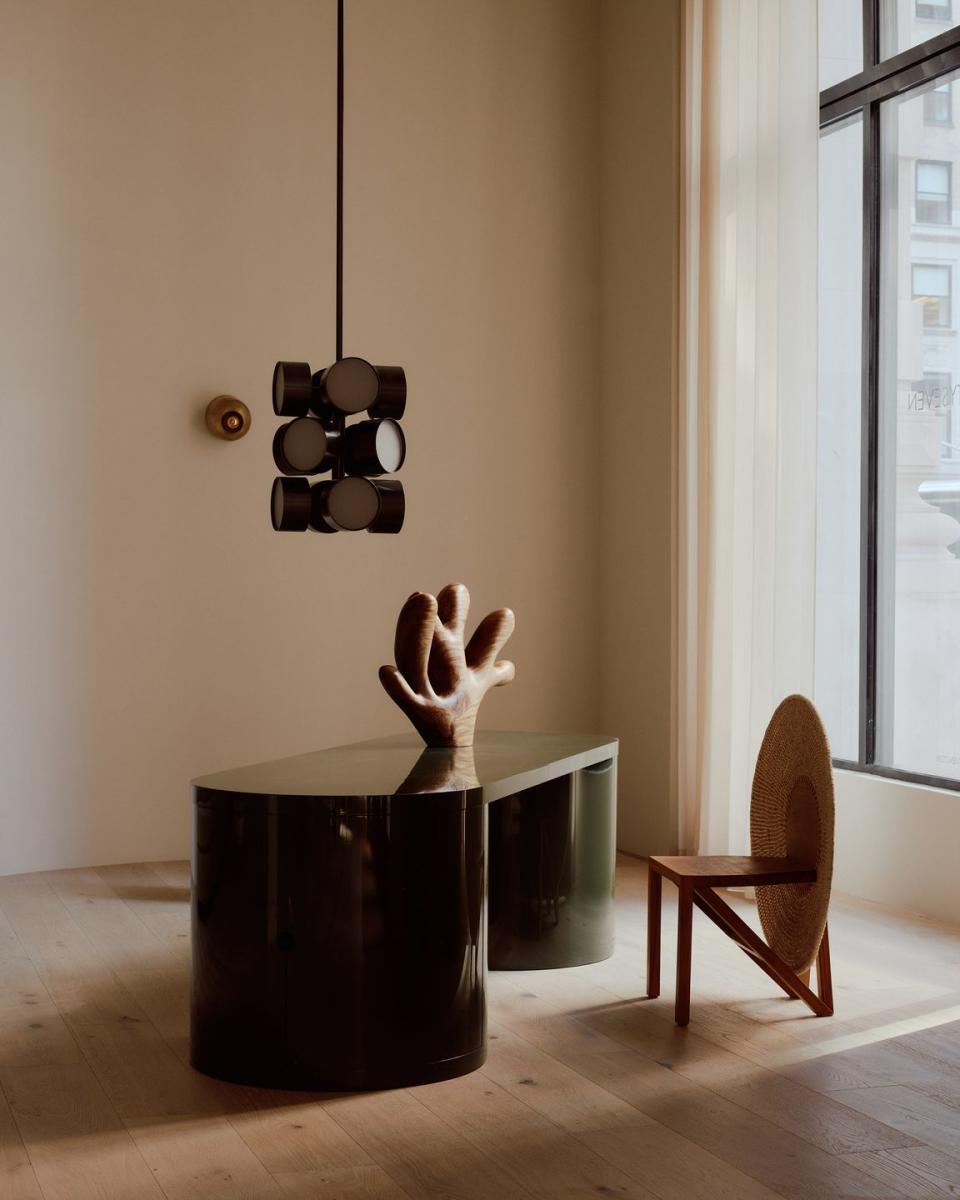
(350, 385)
(391, 394)
(374, 448)
(292, 389)
(290, 504)
(355, 503)
(392, 507)
(304, 447)
(349, 503)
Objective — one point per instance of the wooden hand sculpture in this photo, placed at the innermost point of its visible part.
(438, 682)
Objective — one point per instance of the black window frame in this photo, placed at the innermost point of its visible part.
(861, 95)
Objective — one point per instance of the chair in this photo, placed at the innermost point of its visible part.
(791, 866)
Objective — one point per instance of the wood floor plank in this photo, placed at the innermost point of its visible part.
(291, 1133)
(817, 1119)
(37, 1037)
(162, 995)
(918, 1179)
(571, 1101)
(18, 1180)
(670, 1165)
(773, 1156)
(175, 873)
(341, 1183)
(110, 924)
(145, 1079)
(145, 890)
(422, 1152)
(941, 1045)
(940, 1172)
(162, 906)
(77, 1144)
(867, 1066)
(929, 1121)
(72, 969)
(543, 1023)
(536, 1152)
(202, 1159)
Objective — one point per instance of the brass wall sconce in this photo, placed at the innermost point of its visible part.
(227, 417)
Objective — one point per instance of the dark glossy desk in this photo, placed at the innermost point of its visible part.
(343, 901)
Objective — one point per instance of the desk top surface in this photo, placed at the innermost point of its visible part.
(498, 763)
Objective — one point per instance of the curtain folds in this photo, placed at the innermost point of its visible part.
(748, 376)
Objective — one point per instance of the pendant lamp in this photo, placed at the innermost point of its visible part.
(318, 437)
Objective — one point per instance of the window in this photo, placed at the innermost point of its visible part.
(902, 23)
(933, 10)
(931, 286)
(887, 637)
(938, 105)
(837, 636)
(933, 192)
(841, 40)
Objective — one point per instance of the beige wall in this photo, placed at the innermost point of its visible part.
(896, 844)
(165, 235)
(640, 56)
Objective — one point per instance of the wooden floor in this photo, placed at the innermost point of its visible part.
(589, 1089)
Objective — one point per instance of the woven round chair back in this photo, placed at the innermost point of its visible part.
(791, 816)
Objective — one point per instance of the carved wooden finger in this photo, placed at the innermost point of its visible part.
(453, 604)
(438, 682)
(411, 647)
(489, 638)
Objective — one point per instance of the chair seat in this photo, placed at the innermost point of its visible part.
(720, 870)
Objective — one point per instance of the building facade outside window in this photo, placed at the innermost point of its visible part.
(895, 24)
(887, 669)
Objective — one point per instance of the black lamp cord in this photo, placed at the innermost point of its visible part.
(339, 179)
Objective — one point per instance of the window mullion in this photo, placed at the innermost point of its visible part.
(871, 32)
(869, 432)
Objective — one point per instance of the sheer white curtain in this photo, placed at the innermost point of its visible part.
(747, 425)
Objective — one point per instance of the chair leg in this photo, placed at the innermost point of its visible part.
(654, 890)
(752, 944)
(824, 973)
(684, 947)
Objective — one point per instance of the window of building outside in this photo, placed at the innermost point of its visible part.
(931, 286)
(887, 642)
(934, 11)
(938, 105)
(933, 193)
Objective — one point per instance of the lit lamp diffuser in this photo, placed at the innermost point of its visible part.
(318, 440)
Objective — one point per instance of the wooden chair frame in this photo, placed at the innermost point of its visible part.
(696, 879)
